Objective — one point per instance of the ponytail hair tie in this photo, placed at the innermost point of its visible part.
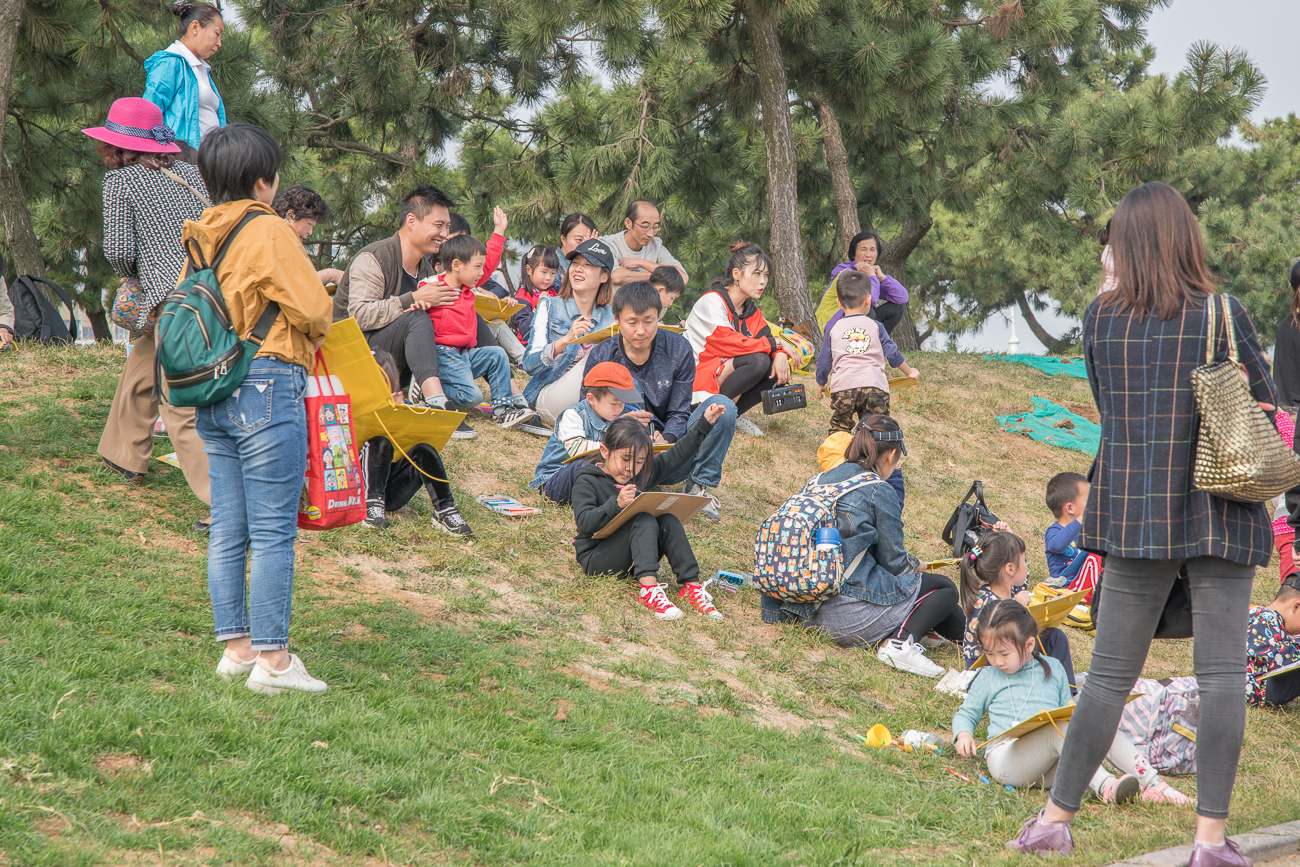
(975, 551)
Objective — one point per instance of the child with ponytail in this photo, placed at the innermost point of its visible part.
(537, 270)
(996, 569)
(1019, 683)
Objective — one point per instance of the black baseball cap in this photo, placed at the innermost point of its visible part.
(596, 252)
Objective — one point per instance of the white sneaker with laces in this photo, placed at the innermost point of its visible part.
(744, 425)
(933, 640)
(267, 681)
(231, 666)
(908, 656)
(509, 416)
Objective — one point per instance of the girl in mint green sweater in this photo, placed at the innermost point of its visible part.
(1019, 683)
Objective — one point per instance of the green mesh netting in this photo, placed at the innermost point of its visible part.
(1054, 425)
(1051, 366)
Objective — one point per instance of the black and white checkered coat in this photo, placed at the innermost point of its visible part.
(144, 211)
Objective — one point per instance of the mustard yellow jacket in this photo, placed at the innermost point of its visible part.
(266, 263)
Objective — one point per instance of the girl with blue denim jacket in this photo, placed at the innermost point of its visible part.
(884, 596)
(582, 306)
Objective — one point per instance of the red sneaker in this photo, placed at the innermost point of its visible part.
(700, 600)
(654, 598)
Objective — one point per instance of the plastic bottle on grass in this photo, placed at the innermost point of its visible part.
(921, 742)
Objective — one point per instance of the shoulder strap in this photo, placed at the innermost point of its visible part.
(203, 200)
(1229, 327)
(272, 311)
(58, 290)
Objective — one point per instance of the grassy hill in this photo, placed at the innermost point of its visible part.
(488, 704)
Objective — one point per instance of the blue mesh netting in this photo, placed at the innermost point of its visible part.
(1054, 425)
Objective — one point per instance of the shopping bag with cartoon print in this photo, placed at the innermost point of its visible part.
(332, 495)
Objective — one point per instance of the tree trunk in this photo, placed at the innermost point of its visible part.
(99, 326)
(24, 248)
(893, 261)
(782, 195)
(1054, 346)
(11, 17)
(837, 163)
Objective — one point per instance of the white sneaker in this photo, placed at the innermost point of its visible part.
(908, 656)
(744, 425)
(231, 666)
(269, 682)
(710, 511)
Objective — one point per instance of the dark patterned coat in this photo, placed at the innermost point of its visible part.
(1143, 503)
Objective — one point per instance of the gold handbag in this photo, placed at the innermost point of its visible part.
(1239, 453)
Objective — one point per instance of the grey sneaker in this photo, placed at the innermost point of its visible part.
(744, 425)
(509, 416)
(1039, 838)
(711, 510)
(463, 431)
(449, 520)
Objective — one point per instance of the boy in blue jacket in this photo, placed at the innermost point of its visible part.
(580, 429)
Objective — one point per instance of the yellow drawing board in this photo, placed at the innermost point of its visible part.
(1048, 614)
(1055, 716)
(658, 447)
(609, 331)
(495, 309)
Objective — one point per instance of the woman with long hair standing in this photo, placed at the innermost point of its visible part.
(1141, 343)
(148, 196)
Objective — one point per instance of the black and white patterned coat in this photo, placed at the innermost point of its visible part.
(144, 212)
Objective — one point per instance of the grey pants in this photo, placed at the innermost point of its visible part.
(1136, 591)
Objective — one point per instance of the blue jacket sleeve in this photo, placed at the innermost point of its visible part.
(887, 519)
(824, 357)
(161, 82)
(889, 347)
(1057, 538)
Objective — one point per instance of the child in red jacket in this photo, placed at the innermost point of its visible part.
(455, 327)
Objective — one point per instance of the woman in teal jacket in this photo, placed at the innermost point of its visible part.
(179, 80)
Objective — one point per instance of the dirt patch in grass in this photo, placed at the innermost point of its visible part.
(113, 765)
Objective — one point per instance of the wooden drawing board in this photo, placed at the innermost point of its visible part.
(656, 503)
(609, 331)
(658, 447)
(1056, 715)
(1048, 614)
(496, 309)
(939, 564)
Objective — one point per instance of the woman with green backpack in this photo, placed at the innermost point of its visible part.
(256, 439)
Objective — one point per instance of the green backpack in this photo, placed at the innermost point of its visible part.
(201, 357)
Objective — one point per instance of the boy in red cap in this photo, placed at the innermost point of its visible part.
(579, 429)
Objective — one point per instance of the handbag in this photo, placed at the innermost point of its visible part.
(1176, 617)
(128, 307)
(1239, 453)
(332, 491)
(970, 520)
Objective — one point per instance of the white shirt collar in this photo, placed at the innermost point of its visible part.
(179, 48)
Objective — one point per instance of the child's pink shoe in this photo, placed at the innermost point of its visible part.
(1161, 792)
(1039, 838)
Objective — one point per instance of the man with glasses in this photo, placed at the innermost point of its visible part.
(638, 250)
(388, 289)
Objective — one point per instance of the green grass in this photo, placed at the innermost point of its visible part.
(487, 703)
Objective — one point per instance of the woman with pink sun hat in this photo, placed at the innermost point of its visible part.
(148, 196)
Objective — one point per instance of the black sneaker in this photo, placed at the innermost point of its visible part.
(537, 430)
(450, 521)
(509, 416)
(202, 527)
(375, 517)
(463, 431)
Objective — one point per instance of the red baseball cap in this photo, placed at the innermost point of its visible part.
(615, 377)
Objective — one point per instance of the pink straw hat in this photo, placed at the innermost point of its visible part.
(136, 124)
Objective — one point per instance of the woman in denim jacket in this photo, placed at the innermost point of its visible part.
(884, 596)
(553, 353)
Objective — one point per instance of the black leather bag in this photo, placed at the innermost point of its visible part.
(970, 520)
(1175, 620)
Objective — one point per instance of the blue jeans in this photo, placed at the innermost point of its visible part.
(460, 367)
(256, 442)
(705, 469)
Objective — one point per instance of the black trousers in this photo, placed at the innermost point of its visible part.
(410, 339)
(393, 484)
(749, 378)
(1282, 689)
(937, 610)
(888, 314)
(637, 546)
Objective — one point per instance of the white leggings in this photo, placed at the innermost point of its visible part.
(561, 394)
(1031, 760)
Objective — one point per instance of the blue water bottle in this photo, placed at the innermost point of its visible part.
(828, 539)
